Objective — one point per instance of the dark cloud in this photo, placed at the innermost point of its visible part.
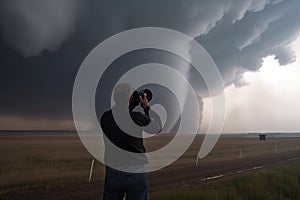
(240, 46)
(32, 26)
(59, 34)
(284, 55)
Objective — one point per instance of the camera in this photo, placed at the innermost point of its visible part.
(135, 101)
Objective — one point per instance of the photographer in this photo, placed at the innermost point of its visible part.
(124, 156)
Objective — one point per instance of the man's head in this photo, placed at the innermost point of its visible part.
(122, 93)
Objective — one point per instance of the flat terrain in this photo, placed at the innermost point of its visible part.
(56, 166)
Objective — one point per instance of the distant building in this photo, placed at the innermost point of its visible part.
(262, 136)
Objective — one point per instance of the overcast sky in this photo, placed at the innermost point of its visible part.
(43, 43)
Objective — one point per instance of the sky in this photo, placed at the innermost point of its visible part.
(269, 102)
(43, 43)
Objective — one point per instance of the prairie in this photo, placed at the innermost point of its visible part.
(56, 165)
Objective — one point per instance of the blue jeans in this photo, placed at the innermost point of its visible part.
(117, 184)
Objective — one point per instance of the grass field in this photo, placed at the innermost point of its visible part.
(281, 182)
(29, 162)
(44, 159)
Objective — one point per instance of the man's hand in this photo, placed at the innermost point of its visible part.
(144, 101)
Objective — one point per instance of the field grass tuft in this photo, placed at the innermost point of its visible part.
(279, 183)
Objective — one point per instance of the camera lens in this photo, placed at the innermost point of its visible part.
(148, 94)
(136, 98)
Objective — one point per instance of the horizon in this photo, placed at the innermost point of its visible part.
(256, 49)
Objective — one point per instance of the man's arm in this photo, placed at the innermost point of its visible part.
(154, 126)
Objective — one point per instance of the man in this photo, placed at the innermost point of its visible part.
(124, 149)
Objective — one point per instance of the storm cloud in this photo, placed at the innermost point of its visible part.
(239, 46)
(32, 26)
(59, 34)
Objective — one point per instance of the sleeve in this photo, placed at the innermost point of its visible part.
(155, 125)
(150, 121)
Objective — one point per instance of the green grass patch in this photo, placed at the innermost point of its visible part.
(281, 182)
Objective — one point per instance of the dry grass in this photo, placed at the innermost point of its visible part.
(43, 159)
(62, 159)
